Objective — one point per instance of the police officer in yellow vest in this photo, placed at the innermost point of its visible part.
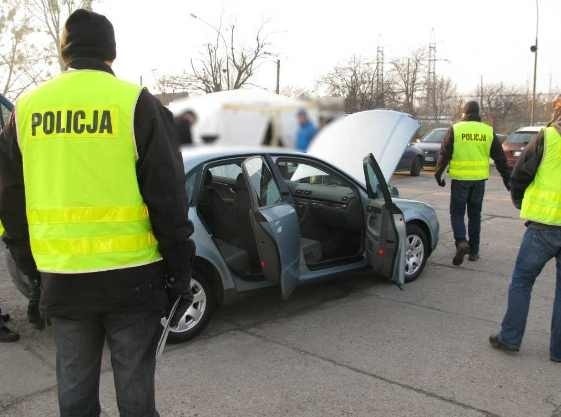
(465, 151)
(92, 195)
(536, 189)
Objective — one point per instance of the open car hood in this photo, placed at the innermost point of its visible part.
(384, 133)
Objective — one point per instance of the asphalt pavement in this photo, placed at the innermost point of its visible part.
(356, 346)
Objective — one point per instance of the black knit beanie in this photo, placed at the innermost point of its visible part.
(471, 108)
(87, 35)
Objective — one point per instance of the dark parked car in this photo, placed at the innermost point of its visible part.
(5, 111)
(517, 141)
(412, 161)
(430, 145)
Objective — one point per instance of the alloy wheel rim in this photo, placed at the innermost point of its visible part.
(195, 313)
(415, 255)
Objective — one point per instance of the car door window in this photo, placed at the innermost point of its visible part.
(4, 115)
(375, 189)
(262, 184)
(305, 173)
(228, 171)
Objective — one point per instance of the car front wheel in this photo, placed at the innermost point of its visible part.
(198, 315)
(416, 167)
(416, 252)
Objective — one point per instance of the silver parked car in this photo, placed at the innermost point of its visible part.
(273, 217)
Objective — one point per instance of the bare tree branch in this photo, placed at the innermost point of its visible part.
(225, 64)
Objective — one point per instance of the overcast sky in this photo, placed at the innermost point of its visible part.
(478, 37)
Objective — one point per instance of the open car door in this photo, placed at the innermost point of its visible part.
(275, 226)
(385, 227)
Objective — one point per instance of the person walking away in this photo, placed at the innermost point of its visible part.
(536, 190)
(306, 131)
(92, 195)
(184, 125)
(465, 151)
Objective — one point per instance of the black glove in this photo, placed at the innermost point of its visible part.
(506, 182)
(439, 180)
(179, 289)
(33, 313)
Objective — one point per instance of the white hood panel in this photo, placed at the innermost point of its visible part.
(384, 133)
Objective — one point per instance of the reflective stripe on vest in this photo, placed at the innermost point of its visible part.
(542, 198)
(84, 207)
(472, 149)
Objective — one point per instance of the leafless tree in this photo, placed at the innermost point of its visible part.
(51, 15)
(355, 81)
(502, 105)
(444, 102)
(21, 62)
(225, 64)
(408, 77)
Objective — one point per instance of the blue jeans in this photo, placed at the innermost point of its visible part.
(467, 194)
(132, 340)
(538, 247)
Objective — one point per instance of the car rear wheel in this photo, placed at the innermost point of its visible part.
(416, 252)
(416, 167)
(196, 318)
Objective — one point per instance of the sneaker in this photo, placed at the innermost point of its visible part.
(462, 249)
(8, 336)
(497, 343)
(473, 257)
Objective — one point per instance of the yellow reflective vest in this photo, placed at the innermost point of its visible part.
(542, 198)
(84, 207)
(472, 149)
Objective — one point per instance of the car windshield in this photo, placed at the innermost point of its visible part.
(435, 136)
(521, 137)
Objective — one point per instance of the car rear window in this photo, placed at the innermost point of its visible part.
(521, 137)
(436, 136)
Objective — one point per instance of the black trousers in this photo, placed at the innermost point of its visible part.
(132, 340)
(467, 195)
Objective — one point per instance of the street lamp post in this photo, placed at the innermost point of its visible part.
(534, 49)
(278, 76)
(278, 67)
(218, 33)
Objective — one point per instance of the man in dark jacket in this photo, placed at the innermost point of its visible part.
(103, 242)
(536, 190)
(184, 125)
(466, 150)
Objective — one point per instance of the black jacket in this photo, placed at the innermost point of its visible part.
(161, 178)
(447, 150)
(526, 168)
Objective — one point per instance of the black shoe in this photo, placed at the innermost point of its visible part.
(497, 343)
(34, 316)
(5, 317)
(555, 359)
(462, 249)
(7, 336)
(473, 257)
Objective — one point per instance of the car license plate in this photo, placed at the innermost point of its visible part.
(517, 153)
(429, 158)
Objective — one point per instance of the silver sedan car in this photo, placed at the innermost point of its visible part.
(273, 217)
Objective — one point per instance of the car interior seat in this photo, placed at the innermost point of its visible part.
(245, 235)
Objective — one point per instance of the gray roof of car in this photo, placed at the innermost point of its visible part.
(196, 155)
